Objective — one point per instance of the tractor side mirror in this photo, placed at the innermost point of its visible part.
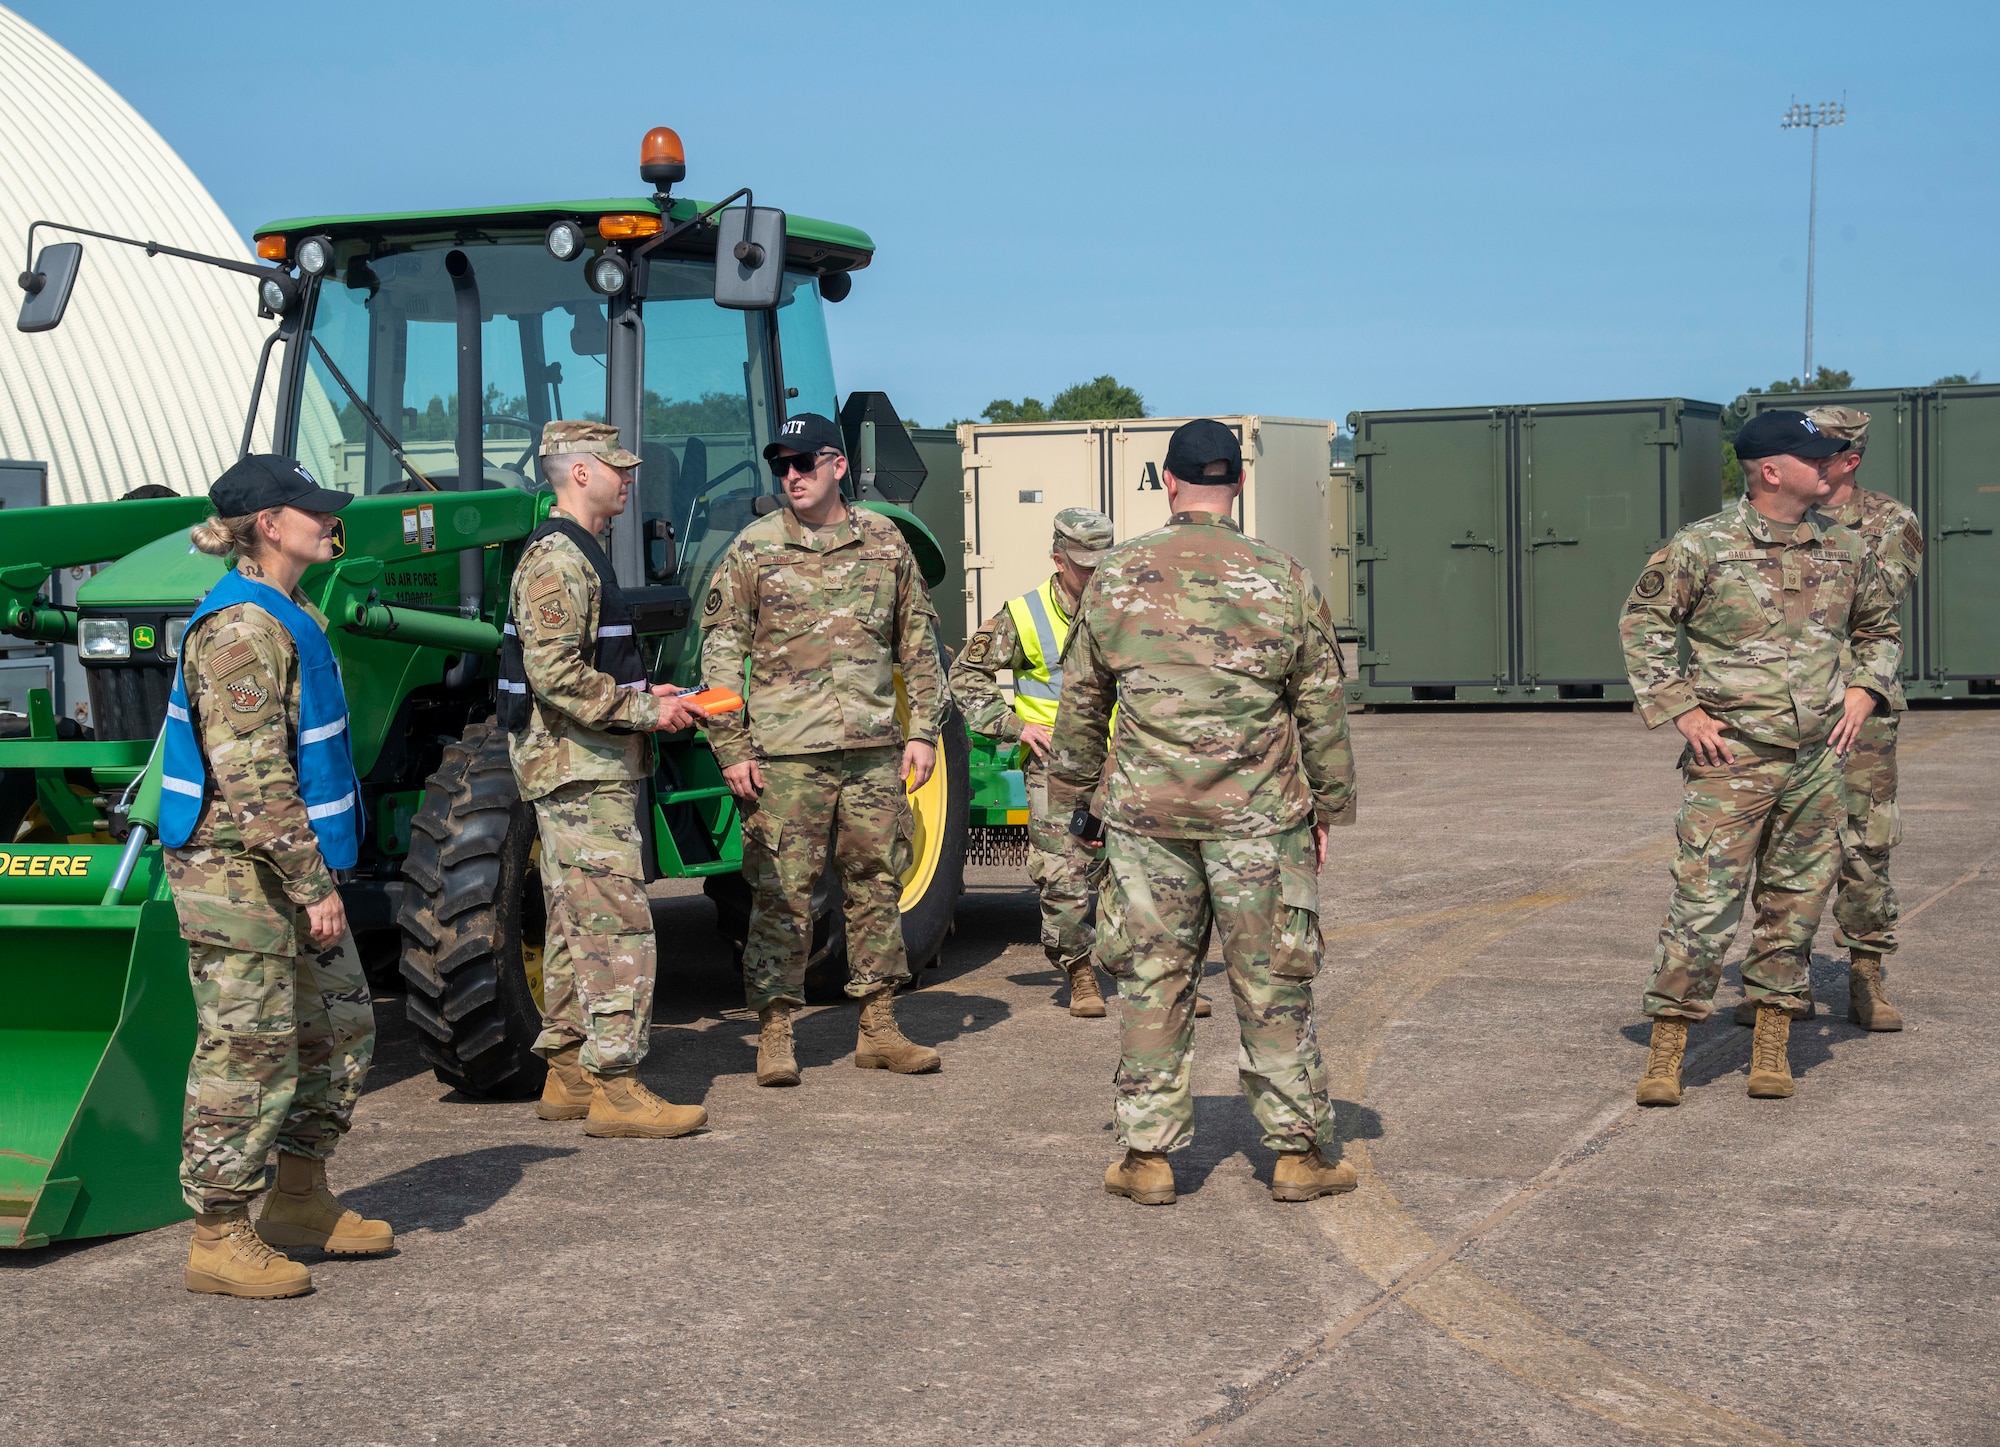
(749, 258)
(663, 559)
(48, 286)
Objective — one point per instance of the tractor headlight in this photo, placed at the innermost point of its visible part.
(564, 241)
(176, 630)
(276, 293)
(104, 638)
(609, 273)
(315, 255)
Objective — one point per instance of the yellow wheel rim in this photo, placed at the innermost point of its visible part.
(928, 805)
(531, 953)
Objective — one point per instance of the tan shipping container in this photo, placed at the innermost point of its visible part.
(1019, 475)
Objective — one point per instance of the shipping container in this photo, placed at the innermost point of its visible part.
(1936, 450)
(1495, 545)
(1019, 475)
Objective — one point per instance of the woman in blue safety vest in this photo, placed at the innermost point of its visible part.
(258, 807)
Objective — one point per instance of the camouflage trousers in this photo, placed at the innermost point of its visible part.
(852, 803)
(1160, 899)
(1067, 874)
(1864, 906)
(1779, 813)
(598, 957)
(282, 1046)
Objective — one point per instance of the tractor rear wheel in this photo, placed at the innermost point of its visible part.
(472, 923)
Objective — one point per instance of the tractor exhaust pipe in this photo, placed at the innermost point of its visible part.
(471, 449)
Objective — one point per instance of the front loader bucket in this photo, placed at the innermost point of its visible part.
(97, 1026)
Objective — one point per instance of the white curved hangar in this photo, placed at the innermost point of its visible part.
(148, 376)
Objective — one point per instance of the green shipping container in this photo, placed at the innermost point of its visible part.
(1495, 545)
(1936, 450)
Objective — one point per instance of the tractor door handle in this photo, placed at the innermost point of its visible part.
(1469, 541)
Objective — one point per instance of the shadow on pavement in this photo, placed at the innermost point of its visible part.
(1224, 1127)
(441, 1195)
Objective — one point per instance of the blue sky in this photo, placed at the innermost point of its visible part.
(1290, 209)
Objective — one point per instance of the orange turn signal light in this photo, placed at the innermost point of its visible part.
(625, 226)
(271, 248)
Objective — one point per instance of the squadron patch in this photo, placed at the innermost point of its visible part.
(1652, 583)
(979, 647)
(712, 604)
(247, 694)
(551, 610)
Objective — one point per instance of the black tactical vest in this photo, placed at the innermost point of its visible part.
(615, 650)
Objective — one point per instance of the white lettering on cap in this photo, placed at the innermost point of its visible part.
(795, 424)
(300, 469)
(1809, 426)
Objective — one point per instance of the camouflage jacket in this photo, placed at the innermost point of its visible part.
(1219, 652)
(975, 675)
(823, 619)
(1895, 538)
(1768, 608)
(242, 675)
(554, 603)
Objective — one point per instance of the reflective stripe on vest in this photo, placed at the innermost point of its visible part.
(323, 760)
(1043, 631)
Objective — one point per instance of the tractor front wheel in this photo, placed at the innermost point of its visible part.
(472, 923)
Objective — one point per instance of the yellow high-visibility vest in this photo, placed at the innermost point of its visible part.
(1043, 630)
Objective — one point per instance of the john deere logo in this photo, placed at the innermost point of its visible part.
(72, 866)
(339, 538)
(142, 637)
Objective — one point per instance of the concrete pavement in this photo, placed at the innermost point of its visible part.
(872, 1258)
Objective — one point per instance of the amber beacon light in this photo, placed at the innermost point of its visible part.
(662, 159)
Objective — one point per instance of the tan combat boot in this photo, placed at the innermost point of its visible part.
(1867, 1006)
(1086, 1000)
(1306, 1175)
(303, 1212)
(776, 1064)
(566, 1093)
(881, 1045)
(1202, 1009)
(227, 1258)
(1661, 1084)
(1770, 1069)
(621, 1106)
(1143, 1176)
(1746, 1012)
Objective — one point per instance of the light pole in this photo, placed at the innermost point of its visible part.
(1811, 117)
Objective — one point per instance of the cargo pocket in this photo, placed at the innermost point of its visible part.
(764, 829)
(1875, 829)
(1693, 832)
(228, 1102)
(1295, 953)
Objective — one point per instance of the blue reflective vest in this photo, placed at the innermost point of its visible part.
(324, 760)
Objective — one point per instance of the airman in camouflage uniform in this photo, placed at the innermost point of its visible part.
(1229, 760)
(1792, 640)
(811, 613)
(579, 760)
(285, 1030)
(1864, 904)
(1066, 873)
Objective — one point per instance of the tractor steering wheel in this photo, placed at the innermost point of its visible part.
(501, 419)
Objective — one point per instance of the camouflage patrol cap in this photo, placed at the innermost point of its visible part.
(1083, 535)
(1848, 423)
(597, 439)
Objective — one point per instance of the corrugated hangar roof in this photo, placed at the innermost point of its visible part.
(148, 376)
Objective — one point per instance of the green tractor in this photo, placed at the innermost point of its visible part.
(412, 362)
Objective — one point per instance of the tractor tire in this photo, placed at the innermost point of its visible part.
(472, 923)
(931, 887)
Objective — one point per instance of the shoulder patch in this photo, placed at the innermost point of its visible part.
(712, 604)
(1911, 544)
(232, 658)
(1658, 557)
(979, 647)
(1651, 583)
(247, 694)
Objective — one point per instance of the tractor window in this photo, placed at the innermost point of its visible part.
(390, 325)
(708, 412)
(803, 349)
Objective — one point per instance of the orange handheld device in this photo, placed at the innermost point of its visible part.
(712, 701)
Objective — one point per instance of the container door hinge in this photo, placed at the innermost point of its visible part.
(1363, 553)
(1370, 449)
(1374, 657)
(1662, 437)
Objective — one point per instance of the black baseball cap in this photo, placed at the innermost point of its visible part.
(1783, 433)
(808, 433)
(267, 479)
(1196, 444)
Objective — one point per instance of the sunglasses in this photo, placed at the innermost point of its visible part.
(806, 463)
